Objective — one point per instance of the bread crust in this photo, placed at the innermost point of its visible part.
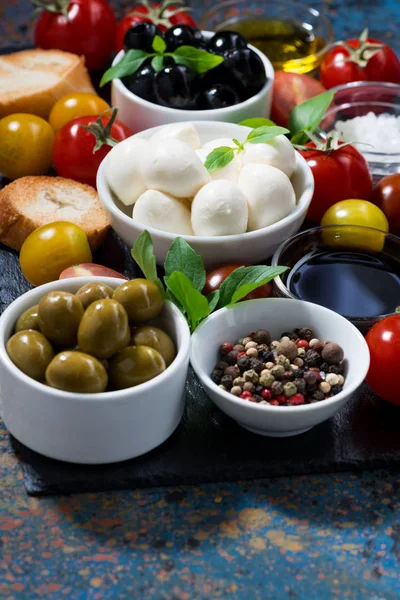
(17, 221)
(69, 74)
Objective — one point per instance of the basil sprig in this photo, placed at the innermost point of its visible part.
(185, 277)
(198, 60)
(307, 116)
(222, 156)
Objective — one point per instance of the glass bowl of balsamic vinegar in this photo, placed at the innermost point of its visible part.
(352, 270)
(293, 36)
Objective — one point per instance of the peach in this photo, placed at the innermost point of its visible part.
(88, 269)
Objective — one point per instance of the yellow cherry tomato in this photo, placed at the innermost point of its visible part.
(78, 104)
(26, 145)
(49, 250)
(362, 214)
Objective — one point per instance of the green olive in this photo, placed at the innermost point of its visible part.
(77, 372)
(31, 352)
(29, 319)
(59, 316)
(104, 329)
(134, 365)
(141, 299)
(156, 338)
(93, 291)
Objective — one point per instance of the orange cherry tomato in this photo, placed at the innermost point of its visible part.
(49, 250)
(72, 106)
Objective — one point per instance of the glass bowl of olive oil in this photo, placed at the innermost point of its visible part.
(294, 37)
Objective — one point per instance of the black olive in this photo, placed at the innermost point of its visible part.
(141, 36)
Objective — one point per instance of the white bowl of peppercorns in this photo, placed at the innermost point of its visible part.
(277, 366)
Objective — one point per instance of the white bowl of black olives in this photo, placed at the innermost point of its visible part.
(178, 89)
(84, 379)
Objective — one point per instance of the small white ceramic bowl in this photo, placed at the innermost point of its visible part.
(92, 428)
(251, 247)
(139, 114)
(277, 315)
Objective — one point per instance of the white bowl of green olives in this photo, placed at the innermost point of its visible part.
(139, 113)
(93, 369)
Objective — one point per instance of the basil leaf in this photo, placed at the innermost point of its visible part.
(244, 280)
(308, 115)
(181, 257)
(157, 63)
(130, 63)
(300, 138)
(198, 60)
(257, 122)
(159, 45)
(212, 299)
(263, 134)
(143, 255)
(194, 303)
(218, 158)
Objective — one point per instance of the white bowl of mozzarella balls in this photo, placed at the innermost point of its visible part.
(157, 181)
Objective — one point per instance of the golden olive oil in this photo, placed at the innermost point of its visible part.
(288, 45)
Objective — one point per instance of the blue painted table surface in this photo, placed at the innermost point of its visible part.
(320, 537)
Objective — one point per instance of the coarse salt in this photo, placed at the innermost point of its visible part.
(381, 132)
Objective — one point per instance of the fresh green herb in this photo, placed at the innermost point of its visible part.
(143, 254)
(264, 134)
(256, 122)
(244, 280)
(181, 257)
(308, 116)
(157, 63)
(222, 156)
(185, 278)
(195, 304)
(159, 45)
(219, 158)
(212, 299)
(200, 61)
(129, 64)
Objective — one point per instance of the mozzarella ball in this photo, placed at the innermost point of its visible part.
(278, 153)
(161, 211)
(219, 208)
(185, 132)
(230, 172)
(269, 193)
(171, 166)
(122, 169)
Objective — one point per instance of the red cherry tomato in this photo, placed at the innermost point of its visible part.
(84, 27)
(384, 346)
(338, 176)
(289, 90)
(386, 195)
(73, 150)
(337, 69)
(217, 276)
(163, 15)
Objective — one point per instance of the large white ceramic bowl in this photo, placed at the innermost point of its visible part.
(251, 247)
(278, 315)
(92, 428)
(139, 114)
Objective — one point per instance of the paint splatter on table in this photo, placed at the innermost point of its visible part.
(322, 537)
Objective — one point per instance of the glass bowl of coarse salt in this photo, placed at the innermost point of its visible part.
(368, 114)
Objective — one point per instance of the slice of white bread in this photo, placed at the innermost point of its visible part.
(30, 202)
(32, 81)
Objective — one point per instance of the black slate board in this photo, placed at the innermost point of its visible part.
(209, 447)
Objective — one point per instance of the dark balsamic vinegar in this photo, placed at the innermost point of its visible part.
(348, 282)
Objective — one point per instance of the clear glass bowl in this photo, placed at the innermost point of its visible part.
(353, 238)
(282, 15)
(357, 100)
